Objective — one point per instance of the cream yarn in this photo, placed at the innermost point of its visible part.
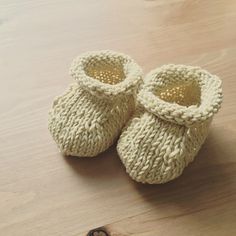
(176, 106)
(89, 116)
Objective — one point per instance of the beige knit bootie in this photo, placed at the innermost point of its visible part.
(176, 106)
(89, 116)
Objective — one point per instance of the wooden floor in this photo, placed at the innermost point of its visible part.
(44, 193)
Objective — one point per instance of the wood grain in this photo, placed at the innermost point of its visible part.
(43, 193)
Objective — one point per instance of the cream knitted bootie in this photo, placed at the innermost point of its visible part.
(89, 116)
(176, 106)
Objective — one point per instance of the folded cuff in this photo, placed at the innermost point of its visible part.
(106, 73)
(169, 75)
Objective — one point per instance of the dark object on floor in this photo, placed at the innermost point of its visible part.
(98, 232)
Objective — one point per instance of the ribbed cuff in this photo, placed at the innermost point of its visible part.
(131, 71)
(210, 94)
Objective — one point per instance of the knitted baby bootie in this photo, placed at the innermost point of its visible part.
(176, 106)
(89, 116)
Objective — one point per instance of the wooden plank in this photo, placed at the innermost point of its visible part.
(43, 193)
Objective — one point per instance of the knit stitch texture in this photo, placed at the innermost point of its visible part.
(89, 116)
(175, 107)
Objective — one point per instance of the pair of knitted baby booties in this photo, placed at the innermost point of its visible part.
(166, 115)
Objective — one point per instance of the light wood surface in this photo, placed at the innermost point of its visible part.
(44, 193)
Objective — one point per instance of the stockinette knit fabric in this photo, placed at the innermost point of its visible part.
(176, 105)
(89, 116)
